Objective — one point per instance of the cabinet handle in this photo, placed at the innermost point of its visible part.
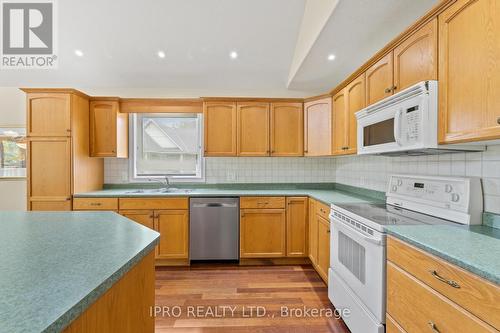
(68, 130)
(68, 198)
(95, 203)
(306, 151)
(498, 120)
(388, 90)
(151, 216)
(328, 231)
(452, 283)
(433, 327)
(242, 214)
(394, 88)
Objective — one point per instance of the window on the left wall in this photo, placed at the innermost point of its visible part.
(12, 152)
(167, 145)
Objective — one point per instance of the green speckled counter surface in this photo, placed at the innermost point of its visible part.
(326, 193)
(54, 265)
(474, 248)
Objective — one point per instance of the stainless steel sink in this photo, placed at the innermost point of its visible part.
(159, 190)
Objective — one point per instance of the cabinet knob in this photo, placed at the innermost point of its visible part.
(306, 151)
(433, 327)
(498, 120)
(388, 90)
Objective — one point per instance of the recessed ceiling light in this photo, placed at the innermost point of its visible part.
(331, 57)
(233, 54)
(79, 53)
(161, 54)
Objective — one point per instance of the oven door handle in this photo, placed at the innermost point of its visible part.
(397, 126)
(378, 242)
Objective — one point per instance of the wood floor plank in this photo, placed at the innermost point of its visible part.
(210, 288)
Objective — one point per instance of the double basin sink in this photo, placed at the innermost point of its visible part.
(159, 190)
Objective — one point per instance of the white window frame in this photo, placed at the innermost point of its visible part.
(134, 178)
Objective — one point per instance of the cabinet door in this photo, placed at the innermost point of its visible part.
(415, 59)
(262, 233)
(313, 233)
(355, 102)
(49, 171)
(108, 130)
(287, 129)
(173, 226)
(296, 227)
(49, 114)
(323, 248)
(469, 71)
(318, 127)
(253, 129)
(339, 123)
(379, 80)
(220, 128)
(144, 217)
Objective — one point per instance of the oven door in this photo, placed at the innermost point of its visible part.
(359, 260)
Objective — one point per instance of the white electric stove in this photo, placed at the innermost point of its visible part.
(358, 238)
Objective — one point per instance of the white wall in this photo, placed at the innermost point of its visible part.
(12, 113)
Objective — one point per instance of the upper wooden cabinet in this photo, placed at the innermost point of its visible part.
(318, 127)
(287, 129)
(415, 59)
(379, 80)
(48, 114)
(108, 129)
(296, 227)
(469, 71)
(253, 129)
(345, 105)
(220, 128)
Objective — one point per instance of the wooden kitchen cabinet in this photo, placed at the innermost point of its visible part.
(313, 232)
(287, 129)
(144, 217)
(253, 129)
(48, 114)
(415, 59)
(108, 129)
(173, 226)
(346, 103)
(296, 227)
(262, 233)
(220, 130)
(469, 71)
(49, 173)
(379, 79)
(323, 258)
(318, 127)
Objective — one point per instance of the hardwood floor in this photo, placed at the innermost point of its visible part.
(231, 298)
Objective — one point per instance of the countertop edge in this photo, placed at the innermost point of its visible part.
(79, 308)
(450, 259)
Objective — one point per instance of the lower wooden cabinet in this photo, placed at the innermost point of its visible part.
(144, 217)
(313, 232)
(427, 294)
(323, 258)
(262, 233)
(173, 226)
(296, 227)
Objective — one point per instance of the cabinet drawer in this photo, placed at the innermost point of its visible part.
(95, 204)
(154, 203)
(478, 296)
(418, 308)
(323, 210)
(262, 202)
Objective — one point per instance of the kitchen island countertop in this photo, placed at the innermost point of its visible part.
(54, 265)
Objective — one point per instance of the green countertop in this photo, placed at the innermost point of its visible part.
(327, 196)
(54, 265)
(474, 248)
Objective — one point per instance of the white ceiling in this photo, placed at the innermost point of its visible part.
(120, 41)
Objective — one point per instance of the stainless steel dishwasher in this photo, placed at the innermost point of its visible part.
(214, 229)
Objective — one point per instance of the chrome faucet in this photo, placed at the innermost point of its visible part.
(165, 181)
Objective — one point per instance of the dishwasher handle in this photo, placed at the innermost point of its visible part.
(214, 204)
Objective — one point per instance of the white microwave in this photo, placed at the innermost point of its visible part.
(405, 123)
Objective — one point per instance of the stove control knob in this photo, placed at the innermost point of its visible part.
(448, 188)
(455, 197)
(394, 188)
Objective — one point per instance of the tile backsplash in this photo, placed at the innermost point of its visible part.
(373, 171)
(246, 170)
(370, 172)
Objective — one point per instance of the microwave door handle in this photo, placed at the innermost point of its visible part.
(397, 126)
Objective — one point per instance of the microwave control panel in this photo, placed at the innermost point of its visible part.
(412, 116)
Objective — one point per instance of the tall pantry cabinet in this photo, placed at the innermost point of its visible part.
(58, 159)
